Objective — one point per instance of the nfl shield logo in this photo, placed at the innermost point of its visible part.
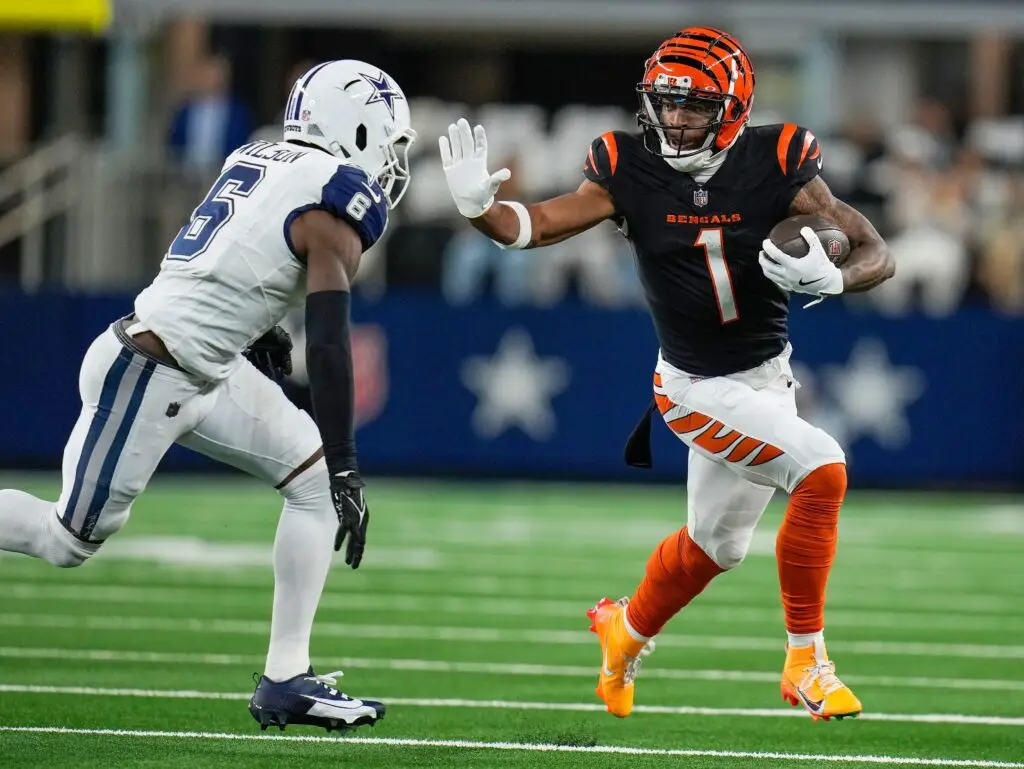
(835, 248)
(700, 197)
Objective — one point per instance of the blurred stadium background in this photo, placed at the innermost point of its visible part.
(501, 372)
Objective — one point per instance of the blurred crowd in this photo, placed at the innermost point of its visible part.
(948, 197)
(950, 203)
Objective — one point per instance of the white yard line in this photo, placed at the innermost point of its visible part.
(576, 707)
(471, 605)
(463, 546)
(524, 746)
(495, 668)
(521, 590)
(493, 635)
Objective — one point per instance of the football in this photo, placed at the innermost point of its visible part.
(786, 235)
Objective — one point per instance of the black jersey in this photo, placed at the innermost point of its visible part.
(697, 245)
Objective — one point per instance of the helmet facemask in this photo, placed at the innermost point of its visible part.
(394, 175)
(680, 122)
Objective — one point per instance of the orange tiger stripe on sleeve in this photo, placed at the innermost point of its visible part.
(785, 139)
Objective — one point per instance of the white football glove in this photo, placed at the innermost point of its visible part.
(814, 274)
(464, 159)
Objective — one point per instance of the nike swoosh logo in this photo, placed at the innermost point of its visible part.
(814, 707)
(368, 184)
(373, 194)
(810, 282)
(348, 702)
(819, 163)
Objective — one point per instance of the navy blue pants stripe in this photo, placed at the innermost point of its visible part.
(102, 493)
(111, 384)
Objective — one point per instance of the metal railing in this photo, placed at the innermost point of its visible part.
(34, 192)
(84, 218)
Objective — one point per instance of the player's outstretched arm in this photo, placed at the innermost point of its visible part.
(870, 262)
(464, 159)
(550, 221)
(332, 250)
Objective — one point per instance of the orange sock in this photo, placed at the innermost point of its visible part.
(677, 571)
(806, 545)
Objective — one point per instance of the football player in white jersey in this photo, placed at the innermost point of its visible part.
(285, 220)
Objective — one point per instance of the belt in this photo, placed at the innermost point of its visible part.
(134, 333)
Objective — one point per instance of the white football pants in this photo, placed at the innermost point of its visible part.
(134, 409)
(745, 440)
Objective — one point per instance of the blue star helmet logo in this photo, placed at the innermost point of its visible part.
(383, 91)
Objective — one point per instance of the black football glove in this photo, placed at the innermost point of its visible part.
(272, 353)
(353, 515)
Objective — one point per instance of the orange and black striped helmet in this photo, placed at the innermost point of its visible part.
(706, 70)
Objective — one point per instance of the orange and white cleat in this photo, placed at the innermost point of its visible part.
(621, 655)
(809, 679)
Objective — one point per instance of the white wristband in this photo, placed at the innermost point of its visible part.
(525, 226)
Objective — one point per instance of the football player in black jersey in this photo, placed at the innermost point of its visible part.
(696, 192)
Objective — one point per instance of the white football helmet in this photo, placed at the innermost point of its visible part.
(358, 113)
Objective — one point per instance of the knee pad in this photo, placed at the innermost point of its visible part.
(62, 548)
(310, 489)
(725, 547)
(730, 553)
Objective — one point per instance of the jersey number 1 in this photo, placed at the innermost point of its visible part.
(721, 282)
(213, 213)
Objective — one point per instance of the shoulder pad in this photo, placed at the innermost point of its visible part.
(798, 152)
(602, 159)
(355, 198)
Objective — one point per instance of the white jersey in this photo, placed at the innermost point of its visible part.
(231, 275)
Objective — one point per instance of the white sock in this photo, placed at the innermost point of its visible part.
(798, 641)
(802, 641)
(22, 522)
(632, 632)
(303, 549)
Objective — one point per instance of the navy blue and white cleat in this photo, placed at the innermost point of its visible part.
(312, 700)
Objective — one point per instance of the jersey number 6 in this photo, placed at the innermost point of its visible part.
(721, 282)
(236, 182)
(358, 206)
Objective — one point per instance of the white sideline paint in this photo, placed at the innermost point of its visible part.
(495, 668)
(495, 635)
(525, 746)
(576, 707)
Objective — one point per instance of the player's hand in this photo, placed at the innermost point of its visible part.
(464, 160)
(353, 515)
(272, 353)
(814, 274)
